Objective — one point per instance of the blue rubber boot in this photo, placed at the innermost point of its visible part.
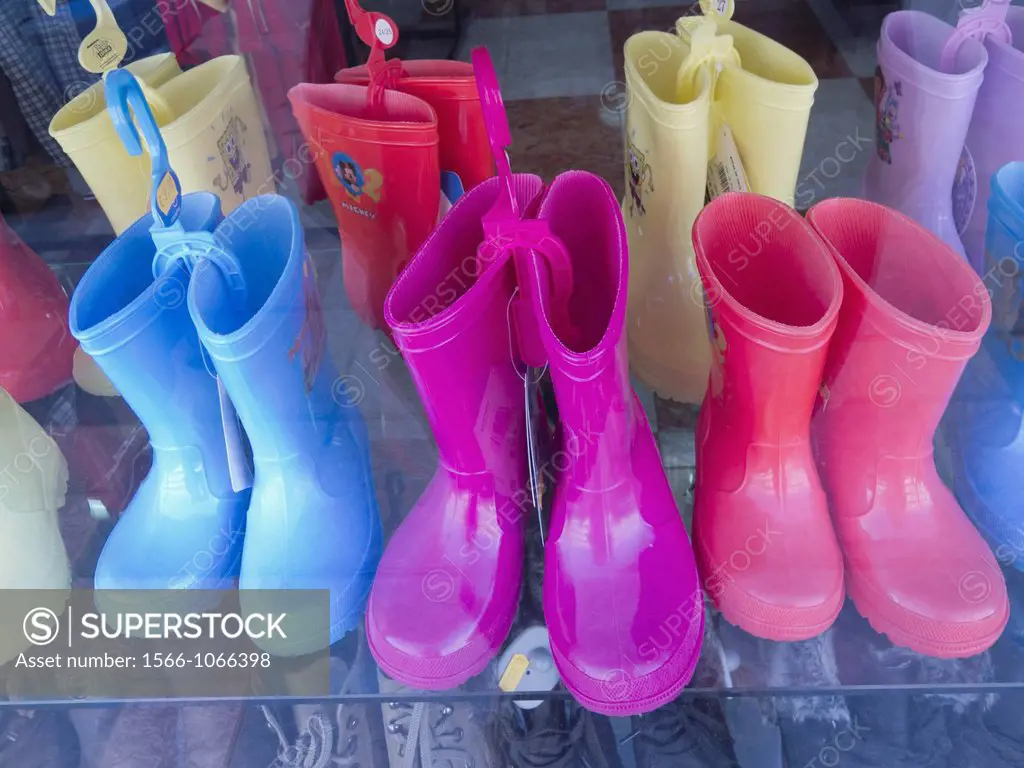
(184, 528)
(313, 520)
(984, 425)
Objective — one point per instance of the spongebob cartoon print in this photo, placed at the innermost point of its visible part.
(237, 170)
(640, 178)
(887, 104)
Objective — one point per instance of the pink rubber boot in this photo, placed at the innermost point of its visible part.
(913, 314)
(622, 602)
(768, 555)
(922, 115)
(448, 585)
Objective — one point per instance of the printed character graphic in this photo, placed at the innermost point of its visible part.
(354, 180)
(347, 173)
(886, 112)
(237, 171)
(640, 177)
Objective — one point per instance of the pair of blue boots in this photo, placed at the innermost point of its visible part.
(174, 345)
(984, 425)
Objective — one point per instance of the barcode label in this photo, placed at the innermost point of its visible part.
(725, 168)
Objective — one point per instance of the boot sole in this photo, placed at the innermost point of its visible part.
(444, 682)
(621, 707)
(785, 624)
(929, 647)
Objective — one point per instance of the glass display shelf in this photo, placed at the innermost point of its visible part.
(849, 659)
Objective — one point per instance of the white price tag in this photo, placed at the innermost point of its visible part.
(384, 31)
(725, 168)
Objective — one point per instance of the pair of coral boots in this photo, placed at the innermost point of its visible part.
(837, 344)
(621, 597)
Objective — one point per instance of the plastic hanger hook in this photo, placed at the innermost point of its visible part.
(125, 100)
(987, 20)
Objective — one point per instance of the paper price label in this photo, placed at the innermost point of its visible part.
(723, 8)
(725, 169)
(513, 673)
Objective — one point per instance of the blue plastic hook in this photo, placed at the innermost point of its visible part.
(125, 100)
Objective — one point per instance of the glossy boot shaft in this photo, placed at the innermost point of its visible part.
(994, 138)
(667, 134)
(185, 525)
(983, 429)
(313, 521)
(450, 89)
(767, 552)
(449, 582)
(36, 347)
(921, 119)
(380, 168)
(622, 601)
(913, 314)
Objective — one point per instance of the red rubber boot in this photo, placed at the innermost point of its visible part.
(379, 165)
(450, 88)
(913, 314)
(36, 347)
(767, 553)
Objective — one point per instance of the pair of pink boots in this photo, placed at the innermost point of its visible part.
(621, 596)
(837, 344)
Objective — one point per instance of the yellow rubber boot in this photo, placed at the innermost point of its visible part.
(216, 141)
(84, 131)
(766, 102)
(211, 124)
(666, 168)
(33, 484)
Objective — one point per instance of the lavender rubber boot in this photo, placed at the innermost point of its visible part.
(995, 137)
(921, 119)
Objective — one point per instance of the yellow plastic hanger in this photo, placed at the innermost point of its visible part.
(105, 47)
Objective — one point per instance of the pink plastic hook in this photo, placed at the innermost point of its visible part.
(987, 20)
(504, 229)
(496, 122)
(380, 32)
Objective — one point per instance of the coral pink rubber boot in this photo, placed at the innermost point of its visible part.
(921, 118)
(448, 585)
(768, 556)
(913, 314)
(622, 601)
